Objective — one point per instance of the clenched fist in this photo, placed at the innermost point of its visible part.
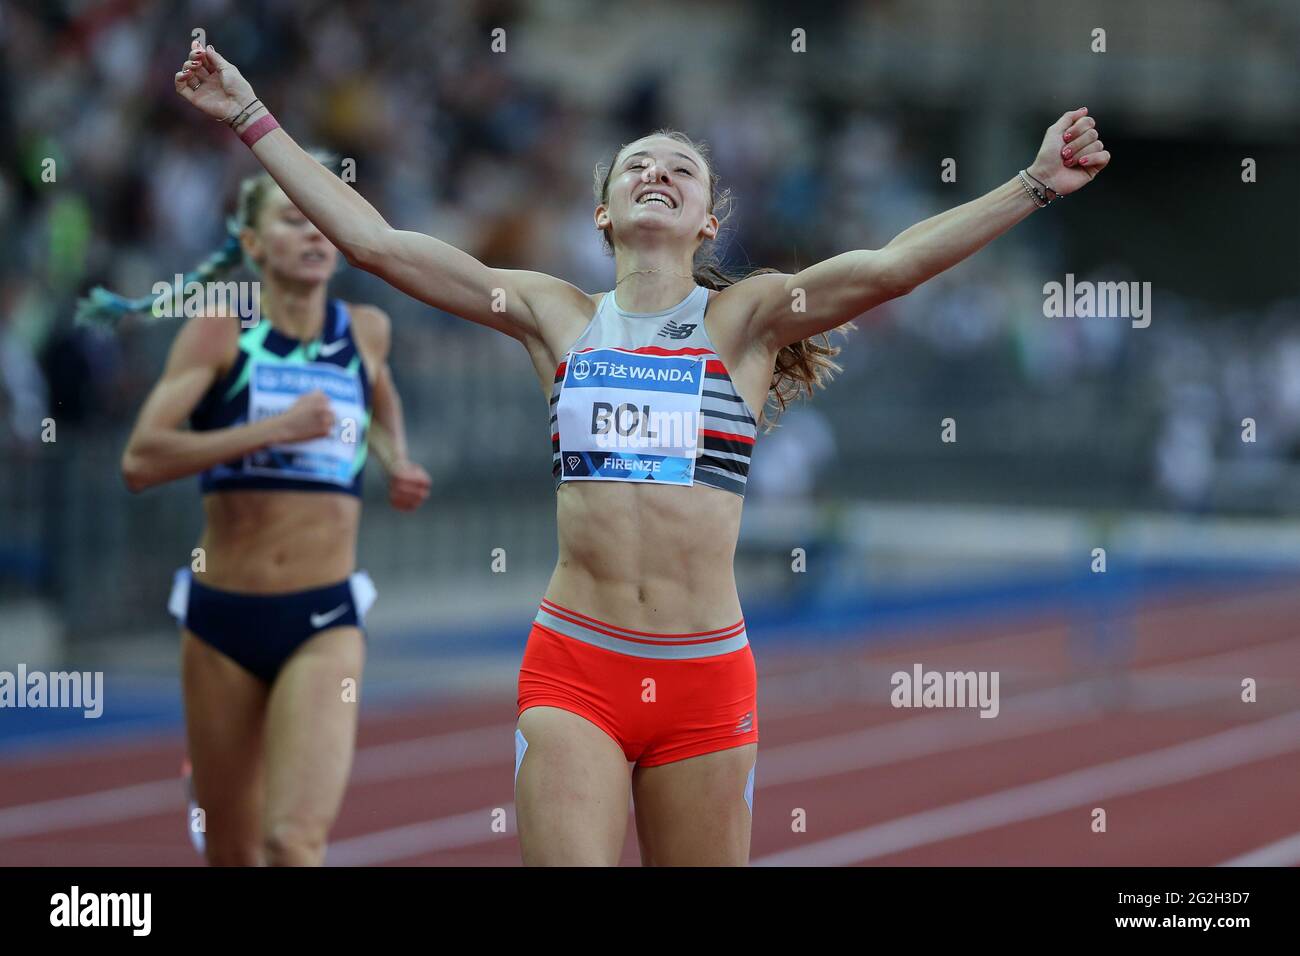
(408, 485)
(1071, 154)
(308, 417)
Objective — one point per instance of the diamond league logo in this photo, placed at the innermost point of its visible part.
(574, 462)
(581, 369)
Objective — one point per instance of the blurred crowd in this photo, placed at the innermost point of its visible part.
(109, 177)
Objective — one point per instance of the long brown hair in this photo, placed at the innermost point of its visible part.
(801, 366)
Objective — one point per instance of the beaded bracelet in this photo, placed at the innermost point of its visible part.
(1039, 196)
(1045, 188)
(1029, 191)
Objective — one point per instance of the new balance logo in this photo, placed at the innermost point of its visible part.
(746, 724)
(674, 331)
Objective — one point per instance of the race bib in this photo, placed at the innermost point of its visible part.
(272, 388)
(623, 416)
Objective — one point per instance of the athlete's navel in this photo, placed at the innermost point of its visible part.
(640, 595)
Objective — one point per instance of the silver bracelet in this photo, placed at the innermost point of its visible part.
(1048, 193)
(1033, 194)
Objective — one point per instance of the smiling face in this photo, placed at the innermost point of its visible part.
(658, 189)
(284, 243)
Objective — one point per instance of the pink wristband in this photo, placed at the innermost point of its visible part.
(256, 131)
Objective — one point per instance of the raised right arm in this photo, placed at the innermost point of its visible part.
(421, 266)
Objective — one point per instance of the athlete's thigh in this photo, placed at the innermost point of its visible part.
(311, 730)
(225, 708)
(571, 792)
(694, 812)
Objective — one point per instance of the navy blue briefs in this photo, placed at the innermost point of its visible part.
(261, 631)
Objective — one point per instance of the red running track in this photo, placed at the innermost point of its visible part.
(1157, 736)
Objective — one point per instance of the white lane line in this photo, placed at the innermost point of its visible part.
(102, 806)
(457, 750)
(872, 746)
(1246, 655)
(444, 833)
(1144, 771)
(77, 854)
(480, 747)
(463, 749)
(882, 744)
(1285, 852)
(922, 736)
(129, 740)
(1152, 686)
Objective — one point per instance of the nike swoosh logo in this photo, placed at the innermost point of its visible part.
(320, 620)
(328, 350)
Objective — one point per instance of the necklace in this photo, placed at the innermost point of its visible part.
(635, 272)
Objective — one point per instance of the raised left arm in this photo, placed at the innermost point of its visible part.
(843, 287)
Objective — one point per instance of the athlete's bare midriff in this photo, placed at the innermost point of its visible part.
(267, 542)
(647, 558)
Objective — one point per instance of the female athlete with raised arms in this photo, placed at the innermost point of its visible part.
(638, 653)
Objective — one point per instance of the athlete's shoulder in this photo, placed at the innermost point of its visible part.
(372, 327)
(753, 289)
(369, 319)
(556, 310)
(736, 304)
(206, 340)
(544, 291)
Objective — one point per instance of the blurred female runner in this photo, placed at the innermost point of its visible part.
(639, 653)
(280, 416)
